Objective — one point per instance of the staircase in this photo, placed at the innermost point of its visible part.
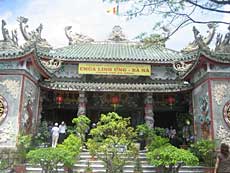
(98, 167)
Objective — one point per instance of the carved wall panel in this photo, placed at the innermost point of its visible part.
(30, 106)
(201, 111)
(10, 89)
(220, 99)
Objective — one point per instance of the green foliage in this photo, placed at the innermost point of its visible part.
(4, 164)
(49, 158)
(171, 158)
(160, 131)
(23, 145)
(113, 141)
(81, 125)
(72, 143)
(157, 142)
(42, 135)
(204, 150)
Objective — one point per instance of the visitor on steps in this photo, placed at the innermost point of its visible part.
(55, 135)
(223, 160)
(62, 132)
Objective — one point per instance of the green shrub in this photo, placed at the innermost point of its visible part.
(81, 125)
(170, 158)
(72, 143)
(23, 145)
(157, 142)
(205, 150)
(113, 141)
(49, 158)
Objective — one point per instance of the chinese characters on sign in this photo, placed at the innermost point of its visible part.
(3, 109)
(114, 69)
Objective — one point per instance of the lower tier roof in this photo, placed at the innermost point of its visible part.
(116, 87)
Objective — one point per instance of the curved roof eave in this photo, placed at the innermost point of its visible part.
(116, 53)
(115, 87)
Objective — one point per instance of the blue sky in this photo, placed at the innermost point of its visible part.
(88, 17)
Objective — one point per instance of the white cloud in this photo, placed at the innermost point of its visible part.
(88, 17)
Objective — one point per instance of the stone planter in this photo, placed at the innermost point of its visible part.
(20, 168)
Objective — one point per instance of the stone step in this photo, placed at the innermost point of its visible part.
(98, 166)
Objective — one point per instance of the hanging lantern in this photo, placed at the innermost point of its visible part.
(115, 101)
(59, 99)
(171, 100)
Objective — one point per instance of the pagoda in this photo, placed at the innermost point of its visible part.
(148, 83)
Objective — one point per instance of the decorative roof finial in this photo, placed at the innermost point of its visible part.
(33, 36)
(117, 34)
(76, 38)
(6, 35)
(223, 45)
(200, 41)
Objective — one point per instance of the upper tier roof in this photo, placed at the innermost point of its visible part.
(115, 52)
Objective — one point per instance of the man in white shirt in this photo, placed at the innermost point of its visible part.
(55, 135)
(62, 132)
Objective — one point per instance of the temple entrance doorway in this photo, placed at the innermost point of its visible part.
(165, 119)
(59, 106)
(125, 104)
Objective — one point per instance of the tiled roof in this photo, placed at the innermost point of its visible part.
(114, 87)
(116, 52)
(9, 51)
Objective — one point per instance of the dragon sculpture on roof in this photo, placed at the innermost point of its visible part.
(34, 36)
(75, 38)
(200, 41)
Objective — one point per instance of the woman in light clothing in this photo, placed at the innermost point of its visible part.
(55, 135)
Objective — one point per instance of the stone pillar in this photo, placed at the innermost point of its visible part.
(81, 104)
(149, 116)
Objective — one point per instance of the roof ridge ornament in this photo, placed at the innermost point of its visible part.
(9, 42)
(223, 45)
(75, 38)
(6, 35)
(34, 36)
(117, 34)
(201, 41)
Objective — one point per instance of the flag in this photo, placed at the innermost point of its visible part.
(114, 10)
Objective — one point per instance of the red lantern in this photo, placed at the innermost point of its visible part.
(59, 99)
(171, 100)
(115, 100)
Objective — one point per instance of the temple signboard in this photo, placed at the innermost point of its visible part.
(114, 69)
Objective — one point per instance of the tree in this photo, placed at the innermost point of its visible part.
(179, 13)
(170, 158)
(113, 141)
(82, 123)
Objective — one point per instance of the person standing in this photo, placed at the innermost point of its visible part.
(223, 160)
(55, 135)
(62, 131)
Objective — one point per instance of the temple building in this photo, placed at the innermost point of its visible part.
(148, 83)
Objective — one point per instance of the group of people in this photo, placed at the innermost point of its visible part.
(58, 133)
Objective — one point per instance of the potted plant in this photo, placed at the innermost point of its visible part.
(205, 150)
(88, 168)
(50, 158)
(113, 141)
(169, 159)
(73, 144)
(23, 145)
(82, 126)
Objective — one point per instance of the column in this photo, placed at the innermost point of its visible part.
(81, 104)
(149, 116)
